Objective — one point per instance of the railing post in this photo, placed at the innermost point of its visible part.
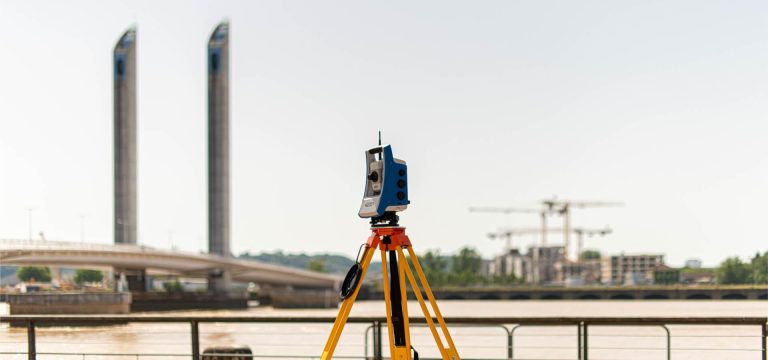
(586, 345)
(31, 348)
(511, 341)
(765, 341)
(365, 341)
(377, 341)
(669, 342)
(578, 339)
(195, 340)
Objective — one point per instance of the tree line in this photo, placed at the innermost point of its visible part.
(463, 268)
(43, 274)
(733, 270)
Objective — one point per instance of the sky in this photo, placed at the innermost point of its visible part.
(659, 105)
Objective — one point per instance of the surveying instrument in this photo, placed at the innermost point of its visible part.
(386, 193)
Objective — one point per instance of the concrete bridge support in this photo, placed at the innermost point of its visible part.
(218, 152)
(124, 75)
(135, 280)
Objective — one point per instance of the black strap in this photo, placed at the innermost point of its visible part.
(353, 276)
(350, 281)
(395, 300)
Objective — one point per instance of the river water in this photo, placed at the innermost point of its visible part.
(162, 341)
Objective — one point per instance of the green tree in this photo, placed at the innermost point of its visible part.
(38, 273)
(317, 265)
(434, 266)
(467, 260)
(173, 286)
(504, 279)
(734, 271)
(759, 267)
(336, 264)
(88, 276)
(465, 267)
(591, 255)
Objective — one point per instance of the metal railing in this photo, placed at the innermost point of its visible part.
(510, 327)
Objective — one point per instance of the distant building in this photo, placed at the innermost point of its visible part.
(8, 276)
(541, 265)
(545, 264)
(698, 276)
(31, 287)
(665, 275)
(512, 263)
(693, 263)
(586, 272)
(635, 278)
(487, 268)
(629, 269)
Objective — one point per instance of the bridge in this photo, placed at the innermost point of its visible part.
(128, 256)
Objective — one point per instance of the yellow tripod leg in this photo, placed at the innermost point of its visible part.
(404, 303)
(346, 307)
(423, 305)
(452, 354)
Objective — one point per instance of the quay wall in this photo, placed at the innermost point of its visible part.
(302, 299)
(69, 303)
(162, 301)
(757, 292)
(120, 303)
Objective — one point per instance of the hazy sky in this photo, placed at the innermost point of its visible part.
(661, 105)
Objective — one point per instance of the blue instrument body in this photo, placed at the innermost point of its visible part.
(386, 188)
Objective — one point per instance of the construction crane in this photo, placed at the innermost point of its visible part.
(563, 207)
(507, 211)
(507, 234)
(580, 232)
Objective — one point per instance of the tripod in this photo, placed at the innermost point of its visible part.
(391, 240)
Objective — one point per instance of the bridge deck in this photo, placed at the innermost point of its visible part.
(21, 252)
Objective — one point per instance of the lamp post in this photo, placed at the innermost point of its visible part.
(82, 228)
(29, 222)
